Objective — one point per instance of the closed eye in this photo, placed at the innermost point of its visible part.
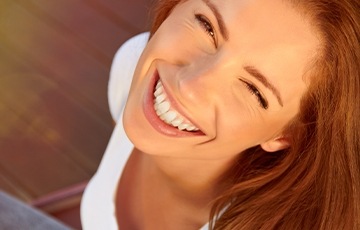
(254, 91)
(207, 26)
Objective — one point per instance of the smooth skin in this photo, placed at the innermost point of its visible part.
(213, 58)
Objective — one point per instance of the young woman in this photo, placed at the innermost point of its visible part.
(241, 115)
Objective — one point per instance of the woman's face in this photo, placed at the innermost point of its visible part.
(230, 71)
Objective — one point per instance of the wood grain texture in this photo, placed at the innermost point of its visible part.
(55, 58)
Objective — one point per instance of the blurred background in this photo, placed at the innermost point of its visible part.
(55, 58)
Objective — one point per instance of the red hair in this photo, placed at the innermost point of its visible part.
(315, 184)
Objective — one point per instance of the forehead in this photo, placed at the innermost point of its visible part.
(273, 27)
(272, 35)
(276, 20)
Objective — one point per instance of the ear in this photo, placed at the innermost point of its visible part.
(276, 144)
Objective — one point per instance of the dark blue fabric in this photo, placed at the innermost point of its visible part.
(16, 215)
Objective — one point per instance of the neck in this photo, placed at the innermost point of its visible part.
(194, 181)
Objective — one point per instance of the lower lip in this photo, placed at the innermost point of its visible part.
(155, 121)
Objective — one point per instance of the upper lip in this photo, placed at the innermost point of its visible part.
(178, 106)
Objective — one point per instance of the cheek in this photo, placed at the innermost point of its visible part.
(247, 127)
(169, 35)
(177, 43)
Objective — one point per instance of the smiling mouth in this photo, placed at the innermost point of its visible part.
(167, 113)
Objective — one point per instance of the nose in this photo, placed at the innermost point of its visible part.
(201, 82)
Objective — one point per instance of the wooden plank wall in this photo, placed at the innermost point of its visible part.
(55, 57)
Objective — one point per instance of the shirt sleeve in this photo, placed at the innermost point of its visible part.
(122, 71)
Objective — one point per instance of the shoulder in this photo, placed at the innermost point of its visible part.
(122, 70)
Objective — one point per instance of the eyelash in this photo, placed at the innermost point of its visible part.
(207, 26)
(253, 90)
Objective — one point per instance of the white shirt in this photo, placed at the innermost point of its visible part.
(98, 202)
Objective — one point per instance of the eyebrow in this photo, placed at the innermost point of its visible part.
(223, 30)
(259, 76)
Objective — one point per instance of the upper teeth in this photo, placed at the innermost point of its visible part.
(168, 114)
